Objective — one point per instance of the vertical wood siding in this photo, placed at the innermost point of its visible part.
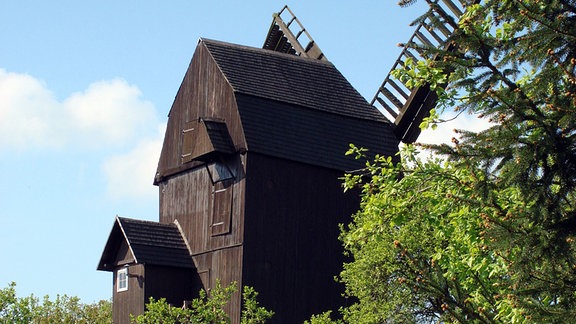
(187, 191)
(132, 300)
(204, 92)
(174, 284)
(291, 246)
(223, 265)
(189, 198)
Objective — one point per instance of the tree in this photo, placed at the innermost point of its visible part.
(62, 309)
(486, 234)
(207, 308)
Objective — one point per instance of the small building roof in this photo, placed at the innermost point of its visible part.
(149, 243)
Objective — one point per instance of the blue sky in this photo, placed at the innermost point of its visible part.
(85, 88)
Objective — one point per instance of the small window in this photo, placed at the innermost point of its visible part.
(219, 172)
(122, 279)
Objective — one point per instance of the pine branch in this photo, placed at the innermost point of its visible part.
(542, 22)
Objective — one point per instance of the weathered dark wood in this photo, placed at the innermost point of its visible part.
(417, 107)
(281, 37)
(145, 281)
(206, 93)
(130, 301)
(175, 284)
(291, 246)
(256, 192)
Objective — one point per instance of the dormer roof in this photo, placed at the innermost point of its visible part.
(148, 243)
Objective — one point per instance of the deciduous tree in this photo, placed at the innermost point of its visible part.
(207, 308)
(62, 309)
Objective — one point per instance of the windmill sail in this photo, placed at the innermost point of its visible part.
(409, 106)
(287, 35)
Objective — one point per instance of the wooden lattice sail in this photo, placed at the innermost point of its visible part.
(409, 106)
(404, 105)
(286, 35)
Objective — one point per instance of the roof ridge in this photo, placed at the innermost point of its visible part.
(263, 50)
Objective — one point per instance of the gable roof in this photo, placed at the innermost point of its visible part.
(291, 79)
(299, 108)
(149, 242)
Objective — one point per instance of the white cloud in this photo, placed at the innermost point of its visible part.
(106, 113)
(28, 112)
(130, 175)
(109, 112)
(107, 116)
(444, 133)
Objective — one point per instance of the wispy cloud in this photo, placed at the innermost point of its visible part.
(106, 118)
(106, 113)
(130, 175)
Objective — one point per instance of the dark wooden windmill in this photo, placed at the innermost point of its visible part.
(249, 182)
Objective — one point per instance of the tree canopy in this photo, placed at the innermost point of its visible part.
(62, 309)
(207, 308)
(486, 233)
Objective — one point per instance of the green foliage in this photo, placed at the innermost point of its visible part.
(207, 308)
(417, 245)
(486, 234)
(252, 313)
(62, 309)
(323, 318)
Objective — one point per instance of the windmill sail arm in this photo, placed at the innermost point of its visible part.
(287, 35)
(434, 30)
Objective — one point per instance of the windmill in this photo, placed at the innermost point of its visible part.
(405, 106)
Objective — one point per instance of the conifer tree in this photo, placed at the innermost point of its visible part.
(488, 233)
(516, 66)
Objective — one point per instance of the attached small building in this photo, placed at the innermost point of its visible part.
(249, 177)
(148, 259)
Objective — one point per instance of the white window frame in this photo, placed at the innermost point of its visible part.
(122, 279)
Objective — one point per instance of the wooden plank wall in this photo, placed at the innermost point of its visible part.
(188, 198)
(204, 92)
(132, 300)
(291, 246)
(174, 284)
(223, 265)
(186, 190)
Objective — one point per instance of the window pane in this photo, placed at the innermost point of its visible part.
(122, 278)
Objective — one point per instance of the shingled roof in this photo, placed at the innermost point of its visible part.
(300, 109)
(149, 243)
(292, 79)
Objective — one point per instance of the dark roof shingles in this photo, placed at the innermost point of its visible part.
(310, 136)
(292, 79)
(156, 243)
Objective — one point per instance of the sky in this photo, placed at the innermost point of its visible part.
(85, 89)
